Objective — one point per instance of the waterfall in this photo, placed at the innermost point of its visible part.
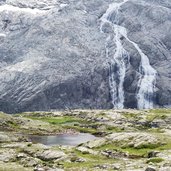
(118, 65)
(146, 83)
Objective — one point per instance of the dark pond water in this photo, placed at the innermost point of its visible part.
(63, 139)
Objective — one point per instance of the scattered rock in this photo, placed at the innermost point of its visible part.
(85, 150)
(21, 155)
(29, 162)
(35, 148)
(97, 154)
(136, 140)
(95, 143)
(22, 145)
(74, 158)
(165, 169)
(150, 169)
(50, 155)
(4, 138)
(9, 137)
(153, 154)
(40, 168)
(114, 154)
(8, 155)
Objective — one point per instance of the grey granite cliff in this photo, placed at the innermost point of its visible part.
(53, 54)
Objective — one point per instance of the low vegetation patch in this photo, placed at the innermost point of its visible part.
(155, 160)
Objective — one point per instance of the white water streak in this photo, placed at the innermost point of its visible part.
(146, 83)
(117, 68)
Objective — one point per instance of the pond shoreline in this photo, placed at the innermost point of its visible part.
(61, 139)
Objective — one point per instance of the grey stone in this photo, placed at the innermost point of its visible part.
(150, 169)
(9, 137)
(85, 150)
(95, 143)
(153, 154)
(7, 155)
(50, 155)
(136, 140)
(29, 162)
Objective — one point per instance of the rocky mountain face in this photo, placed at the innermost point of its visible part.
(59, 54)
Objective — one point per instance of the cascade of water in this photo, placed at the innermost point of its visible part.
(117, 68)
(147, 80)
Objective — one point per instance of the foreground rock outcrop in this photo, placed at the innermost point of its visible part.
(53, 54)
(127, 140)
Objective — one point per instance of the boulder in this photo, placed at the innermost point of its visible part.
(150, 169)
(50, 155)
(95, 143)
(85, 150)
(135, 140)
